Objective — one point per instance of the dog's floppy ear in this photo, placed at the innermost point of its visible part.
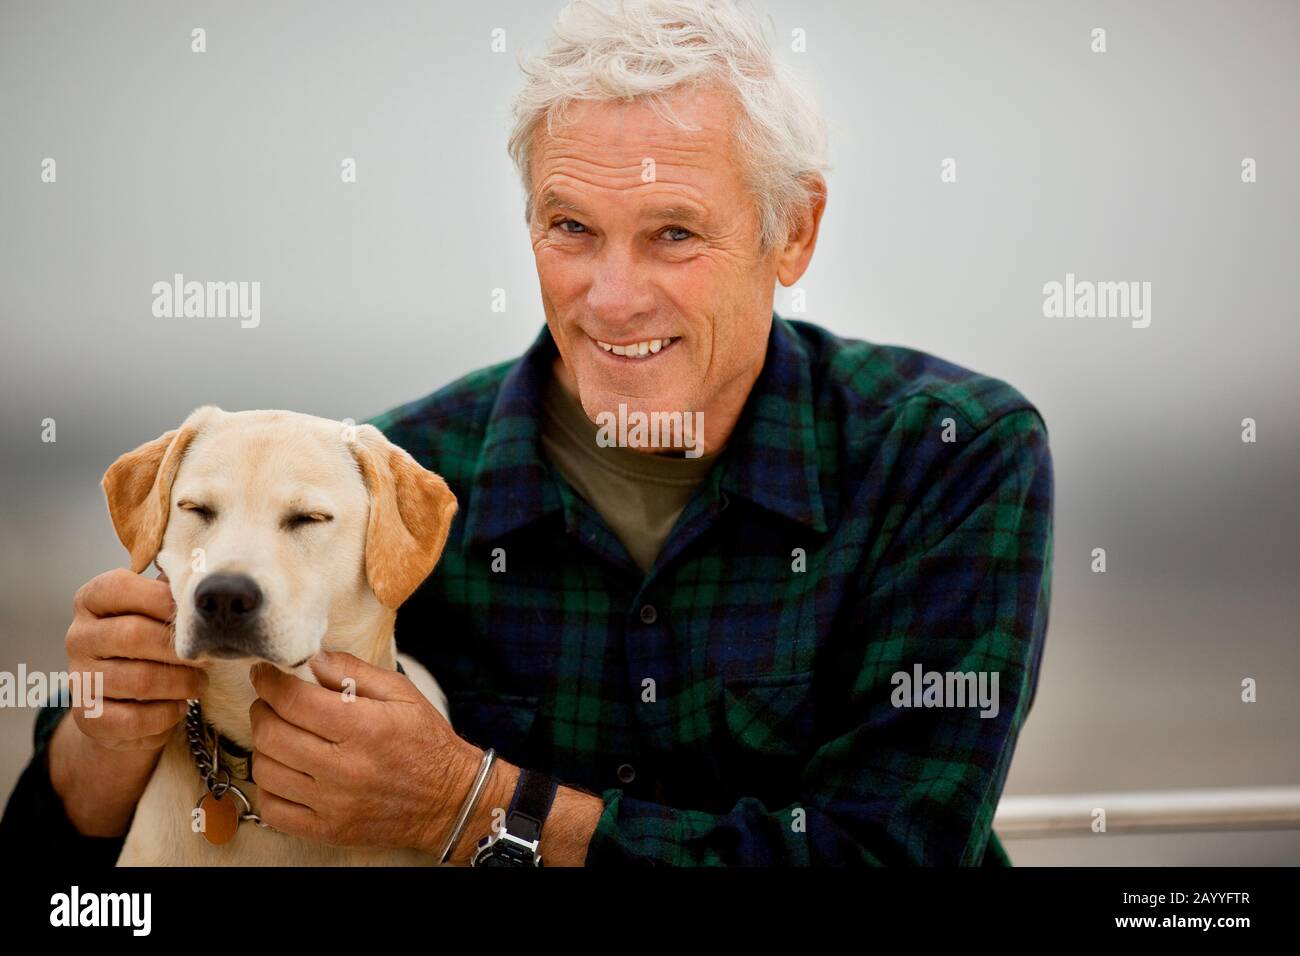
(138, 487)
(410, 515)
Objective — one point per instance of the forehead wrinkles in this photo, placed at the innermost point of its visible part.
(603, 163)
(696, 179)
(611, 140)
(576, 197)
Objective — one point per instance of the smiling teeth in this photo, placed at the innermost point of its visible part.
(638, 349)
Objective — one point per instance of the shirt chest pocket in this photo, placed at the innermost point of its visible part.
(503, 722)
(766, 738)
(768, 732)
(769, 714)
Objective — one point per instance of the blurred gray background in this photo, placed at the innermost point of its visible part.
(1117, 166)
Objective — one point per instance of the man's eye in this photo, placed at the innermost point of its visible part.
(568, 222)
(685, 233)
(307, 518)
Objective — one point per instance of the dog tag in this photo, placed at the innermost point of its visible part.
(220, 819)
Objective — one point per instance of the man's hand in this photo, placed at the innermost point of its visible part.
(365, 762)
(100, 765)
(120, 627)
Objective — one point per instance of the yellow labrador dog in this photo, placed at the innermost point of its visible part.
(280, 534)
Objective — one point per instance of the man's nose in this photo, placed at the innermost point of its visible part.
(618, 292)
(227, 600)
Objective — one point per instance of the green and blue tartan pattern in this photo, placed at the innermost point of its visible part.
(732, 706)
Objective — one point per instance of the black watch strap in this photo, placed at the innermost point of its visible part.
(534, 794)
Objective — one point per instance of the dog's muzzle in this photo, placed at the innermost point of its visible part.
(228, 617)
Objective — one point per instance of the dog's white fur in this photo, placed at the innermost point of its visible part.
(333, 583)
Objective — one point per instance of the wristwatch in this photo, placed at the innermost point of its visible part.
(516, 844)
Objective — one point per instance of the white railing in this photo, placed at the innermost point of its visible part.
(1151, 811)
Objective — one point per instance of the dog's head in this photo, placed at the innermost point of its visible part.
(274, 527)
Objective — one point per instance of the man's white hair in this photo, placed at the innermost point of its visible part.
(645, 49)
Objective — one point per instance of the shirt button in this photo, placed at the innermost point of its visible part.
(627, 773)
(648, 614)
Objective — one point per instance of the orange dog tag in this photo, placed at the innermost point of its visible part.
(220, 819)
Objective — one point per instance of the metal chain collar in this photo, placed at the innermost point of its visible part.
(204, 750)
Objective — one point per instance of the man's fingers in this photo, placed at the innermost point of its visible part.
(121, 592)
(286, 816)
(321, 710)
(334, 668)
(291, 745)
(130, 636)
(149, 680)
(123, 720)
(284, 781)
(152, 742)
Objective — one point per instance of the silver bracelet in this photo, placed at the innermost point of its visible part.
(470, 803)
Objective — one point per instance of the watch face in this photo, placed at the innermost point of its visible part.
(506, 853)
(499, 859)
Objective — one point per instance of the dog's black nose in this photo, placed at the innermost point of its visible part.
(227, 600)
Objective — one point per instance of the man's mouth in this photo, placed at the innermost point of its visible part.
(637, 351)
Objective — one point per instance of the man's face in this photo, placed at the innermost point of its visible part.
(622, 260)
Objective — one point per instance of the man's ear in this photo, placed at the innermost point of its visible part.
(138, 487)
(410, 516)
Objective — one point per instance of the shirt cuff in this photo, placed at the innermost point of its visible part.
(35, 826)
(611, 844)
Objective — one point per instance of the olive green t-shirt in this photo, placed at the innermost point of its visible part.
(639, 494)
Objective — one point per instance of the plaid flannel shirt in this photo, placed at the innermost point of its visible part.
(875, 509)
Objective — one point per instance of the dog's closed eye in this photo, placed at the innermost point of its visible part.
(302, 519)
(203, 511)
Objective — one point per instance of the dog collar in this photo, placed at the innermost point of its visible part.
(238, 760)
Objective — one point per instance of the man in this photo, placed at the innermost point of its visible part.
(758, 641)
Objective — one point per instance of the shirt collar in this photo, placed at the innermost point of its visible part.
(770, 459)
